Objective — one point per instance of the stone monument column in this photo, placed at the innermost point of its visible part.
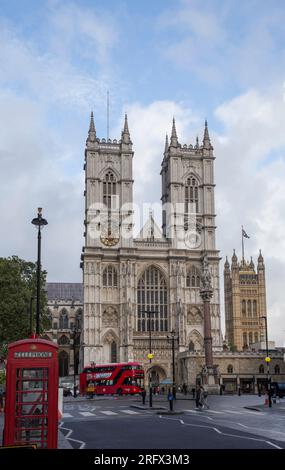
(206, 295)
(209, 373)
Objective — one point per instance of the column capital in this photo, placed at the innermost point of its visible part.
(206, 294)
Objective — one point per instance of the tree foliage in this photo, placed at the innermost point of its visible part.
(17, 286)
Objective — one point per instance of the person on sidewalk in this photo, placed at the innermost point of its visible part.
(143, 394)
(198, 397)
(203, 398)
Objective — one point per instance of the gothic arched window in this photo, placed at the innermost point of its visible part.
(110, 276)
(152, 297)
(193, 277)
(78, 319)
(261, 369)
(250, 340)
(109, 188)
(191, 199)
(244, 340)
(256, 337)
(249, 308)
(113, 351)
(63, 320)
(243, 308)
(191, 346)
(230, 369)
(277, 369)
(254, 308)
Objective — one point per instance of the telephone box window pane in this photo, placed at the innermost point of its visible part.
(31, 397)
(34, 373)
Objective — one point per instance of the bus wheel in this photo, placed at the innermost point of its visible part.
(120, 392)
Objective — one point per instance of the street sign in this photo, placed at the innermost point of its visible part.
(150, 356)
(267, 359)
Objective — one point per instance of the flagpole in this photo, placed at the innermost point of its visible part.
(242, 243)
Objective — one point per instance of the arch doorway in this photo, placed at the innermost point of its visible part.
(63, 362)
(156, 374)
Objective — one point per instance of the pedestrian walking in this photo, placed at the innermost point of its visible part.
(198, 396)
(193, 393)
(203, 398)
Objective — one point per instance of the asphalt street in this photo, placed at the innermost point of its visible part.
(123, 423)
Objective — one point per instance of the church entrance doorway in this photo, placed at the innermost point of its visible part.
(156, 374)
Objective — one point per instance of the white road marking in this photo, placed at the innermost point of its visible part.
(109, 413)
(256, 413)
(86, 413)
(213, 411)
(274, 445)
(70, 431)
(66, 415)
(222, 433)
(129, 412)
(233, 412)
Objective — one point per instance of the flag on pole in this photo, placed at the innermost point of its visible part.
(244, 234)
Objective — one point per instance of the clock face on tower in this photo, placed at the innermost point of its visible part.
(109, 231)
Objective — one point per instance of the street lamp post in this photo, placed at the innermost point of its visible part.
(31, 315)
(172, 338)
(74, 334)
(267, 360)
(150, 355)
(39, 222)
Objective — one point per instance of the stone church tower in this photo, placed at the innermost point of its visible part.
(245, 302)
(126, 278)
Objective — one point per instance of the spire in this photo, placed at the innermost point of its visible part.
(92, 131)
(251, 264)
(173, 139)
(197, 143)
(227, 264)
(206, 139)
(126, 133)
(260, 258)
(166, 144)
(234, 258)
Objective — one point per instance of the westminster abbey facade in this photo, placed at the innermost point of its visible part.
(151, 282)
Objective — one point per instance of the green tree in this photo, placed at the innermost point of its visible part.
(17, 286)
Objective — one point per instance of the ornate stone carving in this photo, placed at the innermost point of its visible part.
(206, 275)
(110, 317)
(194, 316)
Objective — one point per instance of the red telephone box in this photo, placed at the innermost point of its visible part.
(31, 410)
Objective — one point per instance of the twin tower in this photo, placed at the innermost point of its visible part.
(152, 282)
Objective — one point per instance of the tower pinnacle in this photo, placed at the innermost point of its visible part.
(92, 131)
(206, 139)
(126, 133)
(173, 139)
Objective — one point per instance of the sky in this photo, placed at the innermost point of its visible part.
(223, 60)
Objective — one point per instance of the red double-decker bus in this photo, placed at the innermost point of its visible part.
(116, 378)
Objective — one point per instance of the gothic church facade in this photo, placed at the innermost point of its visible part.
(151, 282)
